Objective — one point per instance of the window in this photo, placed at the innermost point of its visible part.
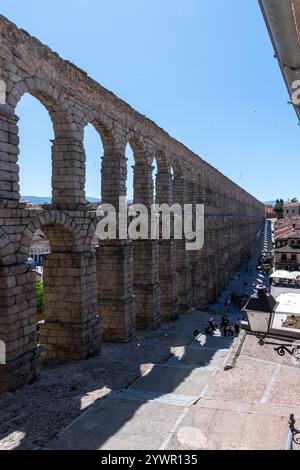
(283, 257)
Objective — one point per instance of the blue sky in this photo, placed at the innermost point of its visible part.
(204, 70)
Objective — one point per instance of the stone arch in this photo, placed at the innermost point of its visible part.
(136, 143)
(198, 187)
(6, 247)
(70, 287)
(163, 177)
(94, 149)
(200, 177)
(113, 168)
(57, 226)
(177, 167)
(163, 160)
(91, 231)
(66, 185)
(141, 158)
(55, 102)
(103, 125)
(141, 151)
(188, 173)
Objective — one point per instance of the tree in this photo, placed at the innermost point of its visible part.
(294, 199)
(278, 208)
(39, 287)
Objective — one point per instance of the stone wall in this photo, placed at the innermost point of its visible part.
(120, 285)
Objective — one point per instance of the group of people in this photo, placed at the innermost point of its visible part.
(229, 329)
(212, 327)
(237, 300)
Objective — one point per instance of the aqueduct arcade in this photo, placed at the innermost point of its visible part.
(102, 293)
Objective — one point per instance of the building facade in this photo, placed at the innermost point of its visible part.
(292, 209)
(287, 244)
(270, 214)
(39, 248)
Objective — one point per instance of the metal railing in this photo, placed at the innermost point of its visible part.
(293, 437)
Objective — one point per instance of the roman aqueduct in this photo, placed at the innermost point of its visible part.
(108, 291)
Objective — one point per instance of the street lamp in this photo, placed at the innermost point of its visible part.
(293, 435)
(260, 311)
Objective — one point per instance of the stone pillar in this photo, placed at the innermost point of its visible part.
(115, 290)
(182, 255)
(9, 151)
(220, 245)
(231, 237)
(116, 302)
(113, 174)
(203, 255)
(220, 221)
(195, 281)
(227, 248)
(72, 327)
(167, 253)
(145, 261)
(217, 259)
(210, 235)
(196, 197)
(18, 328)
(68, 173)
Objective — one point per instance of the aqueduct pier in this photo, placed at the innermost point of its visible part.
(108, 291)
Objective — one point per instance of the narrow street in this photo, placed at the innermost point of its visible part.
(247, 277)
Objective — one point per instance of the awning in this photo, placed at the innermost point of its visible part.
(295, 275)
(281, 275)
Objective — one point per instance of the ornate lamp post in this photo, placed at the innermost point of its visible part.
(293, 435)
(261, 310)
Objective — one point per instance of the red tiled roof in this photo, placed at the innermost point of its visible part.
(289, 234)
(284, 226)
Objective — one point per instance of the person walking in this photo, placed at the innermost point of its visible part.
(226, 328)
(237, 328)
